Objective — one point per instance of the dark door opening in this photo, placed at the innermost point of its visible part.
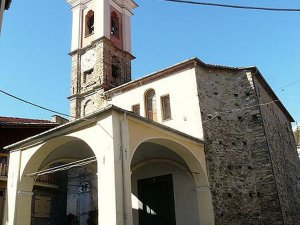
(157, 196)
(2, 201)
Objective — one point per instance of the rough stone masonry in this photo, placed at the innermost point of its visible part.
(253, 166)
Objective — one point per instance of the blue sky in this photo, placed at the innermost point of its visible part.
(36, 38)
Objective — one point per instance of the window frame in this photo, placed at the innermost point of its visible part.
(139, 109)
(153, 105)
(164, 108)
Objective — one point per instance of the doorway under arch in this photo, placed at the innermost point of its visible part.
(163, 185)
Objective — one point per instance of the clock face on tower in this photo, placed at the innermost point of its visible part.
(88, 61)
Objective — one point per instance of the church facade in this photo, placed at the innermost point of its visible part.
(218, 151)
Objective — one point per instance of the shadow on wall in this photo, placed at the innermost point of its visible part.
(92, 219)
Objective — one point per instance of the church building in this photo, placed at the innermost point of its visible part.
(192, 144)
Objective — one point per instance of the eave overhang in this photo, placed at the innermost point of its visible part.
(88, 121)
(192, 63)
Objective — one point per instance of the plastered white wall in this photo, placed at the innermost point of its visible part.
(182, 89)
(102, 23)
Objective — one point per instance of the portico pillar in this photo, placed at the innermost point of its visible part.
(24, 199)
(12, 188)
(106, 189)
(206, 212)
(123, 174)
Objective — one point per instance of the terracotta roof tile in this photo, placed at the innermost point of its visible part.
(16, 120)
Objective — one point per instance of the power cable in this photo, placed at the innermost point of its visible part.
(234, 110)
(234, 6)
(288, 85)
(247, 107)
(217, 113)
(33, 104)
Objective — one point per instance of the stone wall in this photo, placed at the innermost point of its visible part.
(238, 160)
(87, 88)
(283, 151)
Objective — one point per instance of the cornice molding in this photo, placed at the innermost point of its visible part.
(128, 4)
(93, 44)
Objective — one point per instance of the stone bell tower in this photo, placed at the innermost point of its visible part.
(100, 51)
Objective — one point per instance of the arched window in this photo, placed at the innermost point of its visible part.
(88, 108)
(150, 105)
(89, 23)
(115, 26)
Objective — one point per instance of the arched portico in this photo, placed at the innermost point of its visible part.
(167, 176)
(59, 194)
(126, 149)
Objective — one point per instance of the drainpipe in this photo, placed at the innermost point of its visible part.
(123, 155)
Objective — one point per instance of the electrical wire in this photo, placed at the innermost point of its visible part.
(234, 6)
(33, 104)
(217, 113)
(234, 110)
(288, 85)
(92, 159)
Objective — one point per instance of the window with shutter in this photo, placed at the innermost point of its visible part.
(136, 109)
(166, 107)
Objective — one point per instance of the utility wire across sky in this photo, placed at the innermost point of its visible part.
(33, 104)
(234, 6)
(216, 113)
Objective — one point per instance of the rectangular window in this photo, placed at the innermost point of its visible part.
(166, 107)
(42, 206)
(136, 109)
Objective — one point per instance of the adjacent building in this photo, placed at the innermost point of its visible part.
(4, 5)
(12, 130)
(194, 143)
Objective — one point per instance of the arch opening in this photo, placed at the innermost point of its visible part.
(89, 20)
(115, 25)
(164, 185)
(64, 188)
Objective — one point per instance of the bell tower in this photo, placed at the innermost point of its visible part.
(100, 51)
